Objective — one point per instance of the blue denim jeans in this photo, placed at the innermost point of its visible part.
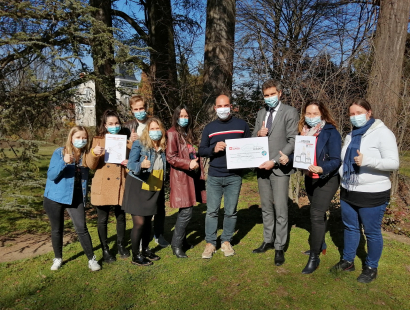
(216, 187)
(371, 218)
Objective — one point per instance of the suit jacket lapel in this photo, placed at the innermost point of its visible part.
(277, 116)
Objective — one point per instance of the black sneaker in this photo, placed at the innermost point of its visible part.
(368, 275)
(343, 265)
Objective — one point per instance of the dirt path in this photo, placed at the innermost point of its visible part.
(27, 246)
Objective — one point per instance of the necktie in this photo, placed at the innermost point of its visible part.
(270, 117)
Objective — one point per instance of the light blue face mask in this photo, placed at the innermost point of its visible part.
(155, 134)
(312, 122)
(80, 143)
(272, 102)
(140, 115)
(358, 120)
(183, 122)
(114, 129)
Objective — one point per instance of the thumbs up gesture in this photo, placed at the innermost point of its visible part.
(263, 132)
(146, 163)
(193, 164)
(68, 158)
(358, 159)
(283, 159)
(134, 135)
(98, 150)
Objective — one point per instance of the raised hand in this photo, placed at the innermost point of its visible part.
(194, 164)
(220, 146)
(283, 159)
(68, 158)
(98, 150)
(358, 159)
(124, 162)
(134, 135)
(146, 163)
(263, 132)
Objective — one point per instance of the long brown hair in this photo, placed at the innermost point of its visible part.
(325, 113)
(69, 147)
(107, 113)
(186, 132)
(145, 138)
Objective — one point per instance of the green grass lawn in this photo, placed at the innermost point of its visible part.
(244, 281)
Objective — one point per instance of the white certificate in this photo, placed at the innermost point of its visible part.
(304, 151)
(246, 152)
(115, 148)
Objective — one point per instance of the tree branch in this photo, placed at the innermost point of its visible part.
(132, 23)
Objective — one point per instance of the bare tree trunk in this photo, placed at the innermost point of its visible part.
(103, 60)
(219, 47)
(386, 73)
(163, 69)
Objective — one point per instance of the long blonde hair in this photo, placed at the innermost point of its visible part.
(146, 141)
(69, 147)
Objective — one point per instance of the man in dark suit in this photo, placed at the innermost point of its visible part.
(279, 122)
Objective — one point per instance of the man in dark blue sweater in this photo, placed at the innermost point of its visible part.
(221, 181)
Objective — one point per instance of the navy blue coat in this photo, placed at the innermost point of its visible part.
(328, 150)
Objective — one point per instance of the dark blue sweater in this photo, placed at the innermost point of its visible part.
(215, 132)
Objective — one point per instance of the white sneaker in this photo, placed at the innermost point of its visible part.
(161, 241)
(93, 264)
(57, 262)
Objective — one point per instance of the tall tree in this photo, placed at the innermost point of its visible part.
(219, 51)
(384, 90)
(102, 51)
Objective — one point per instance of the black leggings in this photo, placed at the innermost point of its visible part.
(103, 212)
(140, 230)
(320, 193)
(55, 212)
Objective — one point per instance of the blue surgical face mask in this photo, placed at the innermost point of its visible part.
(114, 129)
(358, 120)
(312, 122)
(80, 143)
(155, 134)
(140, 115)
(183, 122)
(272, 102)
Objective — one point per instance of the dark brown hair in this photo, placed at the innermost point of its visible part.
(362, 103)
(186, 132)
(325, 113)
(272, 83)
(107, 113)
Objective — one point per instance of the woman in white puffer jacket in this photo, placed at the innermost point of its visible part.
(369, 154)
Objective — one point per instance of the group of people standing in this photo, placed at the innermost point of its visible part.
(136, 186)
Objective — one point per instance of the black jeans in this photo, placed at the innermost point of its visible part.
(103, 212)
(320, 193)
(55, 212)
(184, 216)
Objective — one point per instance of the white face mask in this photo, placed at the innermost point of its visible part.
(223, 113)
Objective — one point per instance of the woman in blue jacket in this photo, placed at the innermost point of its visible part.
(322, 178)
(144, 188)
(66, 188)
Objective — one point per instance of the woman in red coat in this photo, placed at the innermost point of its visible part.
(186, 177)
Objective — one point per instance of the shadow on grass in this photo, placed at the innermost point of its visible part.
(300, 217)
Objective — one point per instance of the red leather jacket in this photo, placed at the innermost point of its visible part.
(187, 187)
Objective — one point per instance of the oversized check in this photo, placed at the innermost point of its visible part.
(246, 152)
(115, 148)
(304, 153)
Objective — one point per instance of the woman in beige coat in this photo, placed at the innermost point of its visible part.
(107, 188)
